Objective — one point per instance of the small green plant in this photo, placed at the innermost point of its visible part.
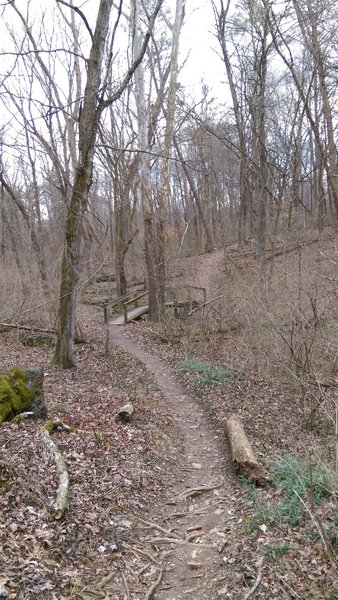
(300, 482)
(261, 517)
(250, 487)
(206, 373)
(274, 551)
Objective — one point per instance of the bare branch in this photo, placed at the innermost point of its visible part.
(137, 61)
(79, 12)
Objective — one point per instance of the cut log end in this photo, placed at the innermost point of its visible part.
(126, 412)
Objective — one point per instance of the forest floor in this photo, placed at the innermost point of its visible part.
(155, 509)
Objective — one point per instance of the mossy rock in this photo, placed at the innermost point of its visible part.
(21, 391)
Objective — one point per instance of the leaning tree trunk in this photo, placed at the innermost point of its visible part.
(209, 246)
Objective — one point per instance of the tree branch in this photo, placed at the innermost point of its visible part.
(79, 12)
(137, 61)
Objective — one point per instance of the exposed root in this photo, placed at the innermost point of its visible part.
(151, 525)
(165, 540)
(106, 580)
(126, 585)
(199, 490)
(154, 587)
(137, 551)
(257, 582)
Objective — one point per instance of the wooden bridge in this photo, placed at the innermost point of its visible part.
(134, 304)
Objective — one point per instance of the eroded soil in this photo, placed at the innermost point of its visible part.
(191, 533)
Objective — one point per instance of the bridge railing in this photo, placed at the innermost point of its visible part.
(186, 296)
(108, 306)
(133, 302)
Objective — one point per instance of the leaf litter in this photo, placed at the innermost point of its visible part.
(123, 472)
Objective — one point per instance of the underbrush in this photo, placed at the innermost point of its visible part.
(205, 372)
(303, 488)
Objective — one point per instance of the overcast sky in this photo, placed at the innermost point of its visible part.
(198, 40)
(197, 44)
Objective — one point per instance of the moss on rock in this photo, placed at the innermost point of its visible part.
(15, 395)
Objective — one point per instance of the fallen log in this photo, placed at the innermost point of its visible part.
(26, 328)
(61, 502)
(243, 457)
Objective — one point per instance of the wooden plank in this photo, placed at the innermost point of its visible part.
(133, 313)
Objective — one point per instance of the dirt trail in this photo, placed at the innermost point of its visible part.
(198, 520)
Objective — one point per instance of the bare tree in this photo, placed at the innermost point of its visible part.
(94, 103)
(313, 20)
(155, 210)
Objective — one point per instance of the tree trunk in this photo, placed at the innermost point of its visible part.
(164, 192)
(93, 105)
(88, 126)
(209, 242)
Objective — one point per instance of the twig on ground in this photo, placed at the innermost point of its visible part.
(141, 571)
(137, 551)
(154, 587)
(257, 582)
(126, 585)
(319, 528)
(285, 583)
(107, 579)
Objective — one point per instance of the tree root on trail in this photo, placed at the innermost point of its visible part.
(126, 585)
(61, 503)
(154, 587)
(165, 540)
(138, 551)
(199, 490)
(179, 515)
(257, 582)
(151, 525)
(107, 579)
